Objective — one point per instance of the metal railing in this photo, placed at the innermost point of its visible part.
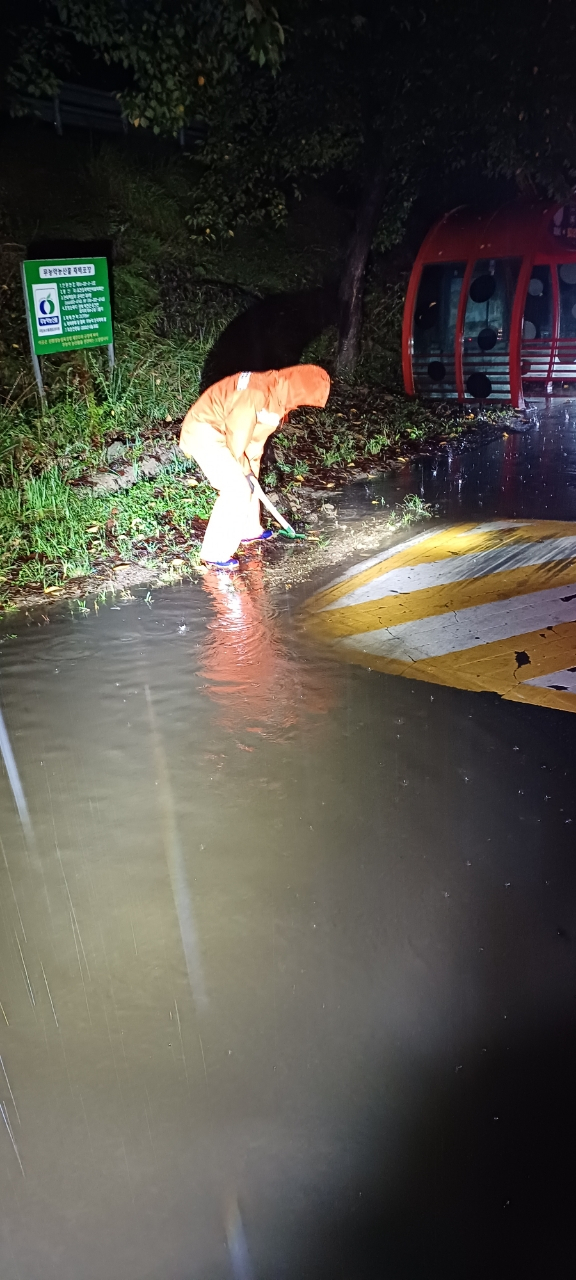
(77, 107)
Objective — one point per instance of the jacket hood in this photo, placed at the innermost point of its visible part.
(298, 385)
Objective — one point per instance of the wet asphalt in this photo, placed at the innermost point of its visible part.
(287, 947)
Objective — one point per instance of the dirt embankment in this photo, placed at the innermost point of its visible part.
(310, 502)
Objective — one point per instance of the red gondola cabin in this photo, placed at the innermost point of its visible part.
(491, 307)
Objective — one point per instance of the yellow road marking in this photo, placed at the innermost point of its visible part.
(490, 668)
(458, 540)
(468, 605)
(433, 601)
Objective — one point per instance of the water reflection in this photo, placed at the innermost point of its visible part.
(176, 867)
(530, 473)
(258, 686)
(14, 779)
(379, 1079)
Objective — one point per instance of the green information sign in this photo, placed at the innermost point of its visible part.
(68, 304)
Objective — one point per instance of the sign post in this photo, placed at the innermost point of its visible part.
(67, 307)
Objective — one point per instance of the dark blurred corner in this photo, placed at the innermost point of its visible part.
(474, 1178)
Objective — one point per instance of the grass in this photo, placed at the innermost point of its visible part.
(153, 382)
(173, 297)
(50, 532)
(362, 427)
(412, 510)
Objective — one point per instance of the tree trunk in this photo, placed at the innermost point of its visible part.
(352, 282)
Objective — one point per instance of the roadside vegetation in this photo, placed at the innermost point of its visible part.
(322, 129)
(174, 298)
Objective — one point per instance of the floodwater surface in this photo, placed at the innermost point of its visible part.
(287, 977)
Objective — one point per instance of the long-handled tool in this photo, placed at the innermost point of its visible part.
(257, 489)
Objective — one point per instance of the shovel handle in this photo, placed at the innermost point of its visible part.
(257, 489)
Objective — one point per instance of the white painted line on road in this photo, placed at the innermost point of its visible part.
(490, 526)
(417, 577)
(379, 558)
(467, 628)
(564, 681)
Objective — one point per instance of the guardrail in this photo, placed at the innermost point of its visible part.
(76, 107)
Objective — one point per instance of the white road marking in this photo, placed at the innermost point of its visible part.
(466, 628)
(378, 559)
(562, 680)
(381, 556)
(476, 564)
(492, 526)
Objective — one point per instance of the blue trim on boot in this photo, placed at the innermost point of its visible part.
(221, 564)
(260, 537)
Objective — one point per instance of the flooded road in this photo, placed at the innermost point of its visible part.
(287, 961)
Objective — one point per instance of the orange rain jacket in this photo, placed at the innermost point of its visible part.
(231, 405)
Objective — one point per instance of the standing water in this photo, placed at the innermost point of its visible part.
(287, 950)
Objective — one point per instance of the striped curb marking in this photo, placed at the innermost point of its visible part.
(477, 606)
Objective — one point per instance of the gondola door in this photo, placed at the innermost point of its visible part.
(538, 333)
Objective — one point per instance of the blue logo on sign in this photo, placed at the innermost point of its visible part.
(47, 309)
(47, 315)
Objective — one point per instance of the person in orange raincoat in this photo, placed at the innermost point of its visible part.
(225, 432)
